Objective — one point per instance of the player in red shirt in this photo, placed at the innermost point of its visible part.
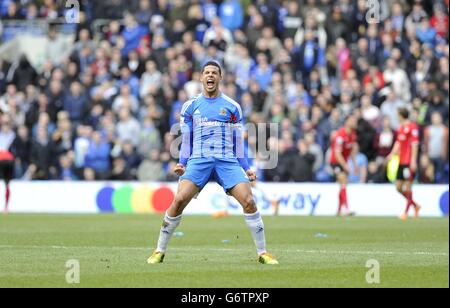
(6, 173)
(342, 149)
(407, 146)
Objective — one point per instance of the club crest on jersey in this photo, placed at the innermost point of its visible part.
(223, 112)
(233, 119)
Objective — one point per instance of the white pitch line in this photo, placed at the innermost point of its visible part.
(329, 252)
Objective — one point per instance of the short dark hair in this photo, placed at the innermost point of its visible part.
(212, 63)
(404, 113)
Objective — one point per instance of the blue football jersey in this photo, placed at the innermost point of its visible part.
(214, 127)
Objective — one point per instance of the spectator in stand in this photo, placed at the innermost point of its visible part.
(24, 74)
(81, 147)
(374, 76)
(132, 34)
(385, 140)
(231, 15)
(398, 18)
(21, 148)
(292, 21)
(32, 12)
(282, 171)
(67, 169)
(151, 169)
(316, 150)
(399, 80)
(3, 72)
(439, 21)
(370, 112)
(337, 26)
(217, 29)
(437, 105)
(7, 134)
(57, 48)
(128, 128)
(436, 145)
(414, 19)
(144, 13)
(62, 138)
(130, 158)
(286, 62)
(151, 80)
(75, 103)
(4, 5)
(98, 156)
(301, 164)
(120, 171)
(307, 57)
(125, 100)
(40, 156)
(358, 174)
(262, 73)
(127, 78)
(12, 11)
(427, 173)
(425, 33)
(390, 108)
(375, 174)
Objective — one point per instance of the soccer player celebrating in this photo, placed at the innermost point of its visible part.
(407, 147)
(213, 148)
(6, 173)
(342, 149)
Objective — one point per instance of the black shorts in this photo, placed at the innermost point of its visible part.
(337, 169)
(6, 169)
(404, 174)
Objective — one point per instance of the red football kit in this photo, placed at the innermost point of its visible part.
(407, 137)
(342, 142)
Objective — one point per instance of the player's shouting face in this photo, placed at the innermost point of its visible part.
(211, 77)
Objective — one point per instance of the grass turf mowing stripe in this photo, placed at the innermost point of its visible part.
(112, 250)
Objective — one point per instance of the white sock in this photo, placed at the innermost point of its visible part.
(170, 224)
(256, 226)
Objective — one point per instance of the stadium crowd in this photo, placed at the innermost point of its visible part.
(105, 113)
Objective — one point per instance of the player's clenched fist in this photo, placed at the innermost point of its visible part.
(179, 170)
(252, 175)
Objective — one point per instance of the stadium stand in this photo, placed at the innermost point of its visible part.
(96, 100)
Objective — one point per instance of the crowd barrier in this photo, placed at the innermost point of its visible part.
(292, 199)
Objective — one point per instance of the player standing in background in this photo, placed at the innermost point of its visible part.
(213, 149)
(342, 149)
(6, 173)
(407, 147)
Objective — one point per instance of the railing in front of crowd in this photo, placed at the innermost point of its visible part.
(37, 27)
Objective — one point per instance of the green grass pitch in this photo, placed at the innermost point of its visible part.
(112, 251)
